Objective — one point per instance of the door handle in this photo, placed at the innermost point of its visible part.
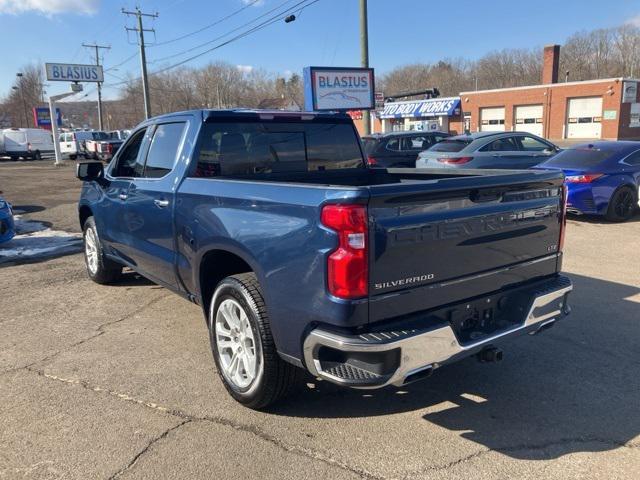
(161, 203)
(123, 196)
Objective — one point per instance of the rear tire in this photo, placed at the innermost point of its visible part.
(239, 327)
(622, 205)
(99, 268)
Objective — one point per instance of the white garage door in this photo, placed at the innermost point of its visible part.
(584, 117)
(492, 119)
(528, 118)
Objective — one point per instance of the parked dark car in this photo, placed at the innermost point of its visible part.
(510, 150)
(7, 226)
(398, 149)
(303, 258)
(603, 178)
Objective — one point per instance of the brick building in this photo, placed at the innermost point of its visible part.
(607, 108)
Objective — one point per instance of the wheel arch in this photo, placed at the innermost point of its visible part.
(215, 265)
(84, 212)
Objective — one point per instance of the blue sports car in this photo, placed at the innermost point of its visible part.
(602, 178)
(7, 228)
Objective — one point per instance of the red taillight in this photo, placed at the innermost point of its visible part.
(371, 161)
(563, 216)
(455, 160)
(587, 178)
(347, 269)
(109, 148)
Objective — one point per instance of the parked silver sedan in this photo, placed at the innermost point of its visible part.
(512, 150)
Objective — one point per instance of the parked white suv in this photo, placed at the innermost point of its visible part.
(76, 144)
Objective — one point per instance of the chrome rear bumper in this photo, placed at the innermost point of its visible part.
(415, 352)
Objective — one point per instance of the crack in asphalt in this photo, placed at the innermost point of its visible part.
(520, 448)
(100, 330)
(189, 418)
(147, 447)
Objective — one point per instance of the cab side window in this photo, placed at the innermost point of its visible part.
(163, 151)
(130, 161)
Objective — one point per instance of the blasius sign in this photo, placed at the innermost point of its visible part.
(422, 108)
(332, 88)
(67, 72)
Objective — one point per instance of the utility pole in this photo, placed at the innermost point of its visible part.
(143, 58)
(97, 49)
(364, 57)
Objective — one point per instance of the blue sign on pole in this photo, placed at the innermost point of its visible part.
(42, 117)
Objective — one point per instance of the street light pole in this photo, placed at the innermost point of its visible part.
(24, 103)
(364, 57)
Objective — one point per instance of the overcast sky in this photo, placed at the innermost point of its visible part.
(325, 33)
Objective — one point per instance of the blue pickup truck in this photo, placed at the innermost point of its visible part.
(303, 258)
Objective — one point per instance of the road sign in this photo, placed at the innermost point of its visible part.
(337, 88)
(70, 72)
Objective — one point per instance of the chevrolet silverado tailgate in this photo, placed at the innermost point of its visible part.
(435, 242)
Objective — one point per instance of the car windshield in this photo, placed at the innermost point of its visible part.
(99, 136)
(450, 145)
(579, 158)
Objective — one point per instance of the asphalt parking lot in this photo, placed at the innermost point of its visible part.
(118, 382)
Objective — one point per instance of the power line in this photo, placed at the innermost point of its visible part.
(233, 39)
(209, 42)
(206, 27)
(256, 28)
(128, 59)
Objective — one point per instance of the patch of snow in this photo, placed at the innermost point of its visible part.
(33, 240)
(27, 226)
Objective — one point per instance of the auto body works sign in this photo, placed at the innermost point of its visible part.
(422, 108)
(69, 72)
(327, 88)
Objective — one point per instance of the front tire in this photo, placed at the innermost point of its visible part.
(622, 205)
(37, 155)
(99, 268)
(242, 344)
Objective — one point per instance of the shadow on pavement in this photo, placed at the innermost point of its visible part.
(575, 388)
(599, 219)
(24, 209)
(133, 279)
